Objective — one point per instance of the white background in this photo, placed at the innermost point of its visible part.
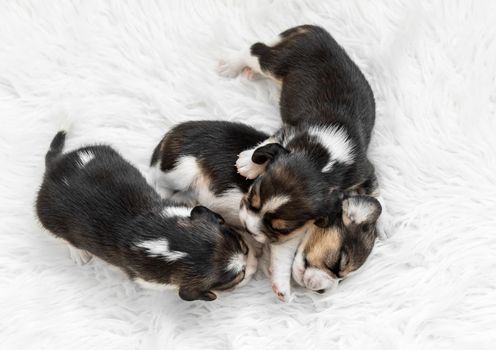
(126, 71)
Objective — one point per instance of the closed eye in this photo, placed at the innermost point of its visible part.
(334, 270)
(233, 282)
(244, 247)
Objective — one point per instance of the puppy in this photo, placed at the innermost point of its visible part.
(102, 205)
(198, 158)
(328, 112)
(327, 255)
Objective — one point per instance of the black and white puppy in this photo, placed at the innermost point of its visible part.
(328, 112)
(199, 158)
(100, 204)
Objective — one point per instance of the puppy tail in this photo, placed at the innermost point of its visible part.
(56, 147)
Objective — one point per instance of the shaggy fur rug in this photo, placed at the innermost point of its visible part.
(125, 72)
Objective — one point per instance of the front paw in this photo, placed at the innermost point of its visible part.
(283, 292)
(246, 167)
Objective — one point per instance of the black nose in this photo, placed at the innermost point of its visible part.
(320, 291)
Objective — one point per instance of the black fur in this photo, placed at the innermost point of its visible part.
(106, 208)
(321, 88)
(215, 144)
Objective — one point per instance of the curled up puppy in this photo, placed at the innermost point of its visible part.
(328, 113)
(196, 159)
(102, 206)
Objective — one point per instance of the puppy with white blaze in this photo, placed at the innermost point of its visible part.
(328, 113)
(195, 160)
(102, 206)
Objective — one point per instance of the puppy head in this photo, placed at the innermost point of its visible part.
(219, 260)
(327, 255)
(289, 196)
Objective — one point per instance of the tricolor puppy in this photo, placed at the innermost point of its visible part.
(198, 158)
(101, 205)
(328, 112)
(327, 255)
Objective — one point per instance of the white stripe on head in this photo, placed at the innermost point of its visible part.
(159, 248)
(337, 142)
(84, 158)
(274, 203)
(236, 263)
(172, 211)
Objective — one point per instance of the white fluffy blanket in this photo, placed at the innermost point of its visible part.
(126, 72)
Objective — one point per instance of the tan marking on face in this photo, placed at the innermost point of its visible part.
(279, 224)
(255, 200)
(322, 244)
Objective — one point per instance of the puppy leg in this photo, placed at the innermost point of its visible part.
(79, 256)
(237, 62)
(258, 59)
(281, 261)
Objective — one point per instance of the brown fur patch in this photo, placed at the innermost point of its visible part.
(279, 224)
(322, 246)
(256, 201)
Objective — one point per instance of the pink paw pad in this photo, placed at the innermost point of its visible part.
(279, 294)
(248, 73)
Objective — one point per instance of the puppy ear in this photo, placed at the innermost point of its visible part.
(268, 153)
(190, 295)
(358, 210)
(203, 212)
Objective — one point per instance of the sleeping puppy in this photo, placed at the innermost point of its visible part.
(327, 255)
(328, 112)
(198, 158)
(101, 205)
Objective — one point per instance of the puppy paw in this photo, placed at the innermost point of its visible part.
(230, 67)
(248, 73)
(246, 167)
(283, 293)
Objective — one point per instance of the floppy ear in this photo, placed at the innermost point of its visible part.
(190, 295)
(201, 211)
(268, 153)
(358, 210)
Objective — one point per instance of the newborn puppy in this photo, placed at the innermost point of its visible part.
(328, 111)
(198, 157)
(327, 255)
(100, 204)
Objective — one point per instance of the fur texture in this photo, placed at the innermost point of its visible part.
(125, 73)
